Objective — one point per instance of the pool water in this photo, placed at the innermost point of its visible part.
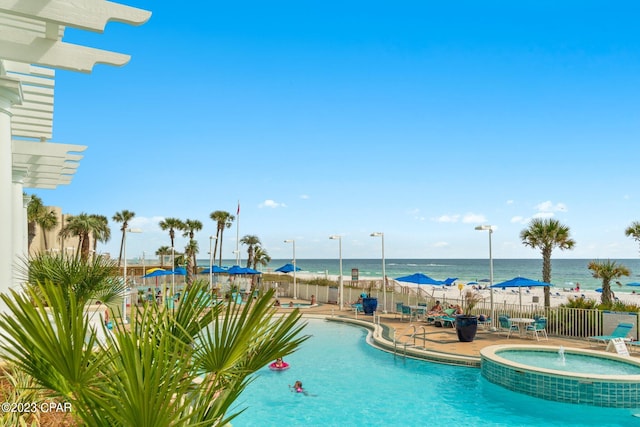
(578, 363)
(350, 383)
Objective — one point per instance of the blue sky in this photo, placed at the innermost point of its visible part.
(418, 119)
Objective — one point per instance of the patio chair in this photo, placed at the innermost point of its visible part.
(406, 310)
(538, 327)
(506, 325)
(398, 310)
(621, 331)
(357, 307)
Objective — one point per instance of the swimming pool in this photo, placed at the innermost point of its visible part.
(351, 383)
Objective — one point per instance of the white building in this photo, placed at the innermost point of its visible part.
(31, 49)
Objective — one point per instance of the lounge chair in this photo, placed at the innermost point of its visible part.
(538, 327)
(506, 325)
(446, 319)
(621, 331)
(431, 318)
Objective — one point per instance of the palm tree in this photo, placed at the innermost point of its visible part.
(48, 220)
(633, 231)
(124, 217)
(546, 234)
(171, 224)
(162, 252)
(82, 226)
(607, 271)
(102, 233)
(223, 220)
(190, 227)
(252, 242)
(190, 252)
(34, 209)
(39, 215)
(260, 257)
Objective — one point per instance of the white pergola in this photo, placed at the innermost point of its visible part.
(31, 48)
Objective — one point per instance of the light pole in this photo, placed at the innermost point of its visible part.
(173, 276)
(339, 239)
(144, 273)
(490, 230)
(211, 238)
(384, 274)
(295, 293)
(124, 271)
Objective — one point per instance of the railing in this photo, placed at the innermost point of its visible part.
(561, 321)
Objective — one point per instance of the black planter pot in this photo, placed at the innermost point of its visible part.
(466, 327)
(369, 305)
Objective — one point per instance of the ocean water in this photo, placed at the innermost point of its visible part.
(565, 273)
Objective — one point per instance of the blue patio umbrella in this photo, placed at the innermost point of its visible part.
(633, 284)
(157, 273)
(599, 290)
(215, 269)
(420, 279)
(288, 268)
(449, 280)
(236, 269)
(520, 282)
(179, 271)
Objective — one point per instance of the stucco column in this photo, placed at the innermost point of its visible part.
(19, 222)
(10, 94)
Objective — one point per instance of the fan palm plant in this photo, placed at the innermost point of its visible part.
(223, 220)
(164, 369)
(607, 271)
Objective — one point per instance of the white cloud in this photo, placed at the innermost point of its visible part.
(510, 202)
(447, 218)
(472, 218)
(440, 245)
(548, 206)
(271, 204)
(304, 196)
(519, 220)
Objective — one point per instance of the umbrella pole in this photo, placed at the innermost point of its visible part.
(520, 292)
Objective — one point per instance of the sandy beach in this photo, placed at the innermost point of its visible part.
(507, 296)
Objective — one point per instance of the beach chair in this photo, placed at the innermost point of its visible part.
(621, 331)
(505, 325)
(538, 327)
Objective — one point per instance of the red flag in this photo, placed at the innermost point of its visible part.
(238, 213)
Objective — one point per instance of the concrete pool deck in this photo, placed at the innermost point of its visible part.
(440, 344)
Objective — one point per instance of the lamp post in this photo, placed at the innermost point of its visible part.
(173, 275)
(490, 230)
(295, 293)
(144, 273)
(339, 239)
(384, 274)
(124, 271)
(211, 238)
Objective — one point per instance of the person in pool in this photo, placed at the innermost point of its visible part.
(297, 387)
(279, 363)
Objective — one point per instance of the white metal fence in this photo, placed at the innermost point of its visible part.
(561, 321)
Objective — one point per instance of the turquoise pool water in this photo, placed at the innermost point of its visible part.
(352, 384)
(578, 363)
